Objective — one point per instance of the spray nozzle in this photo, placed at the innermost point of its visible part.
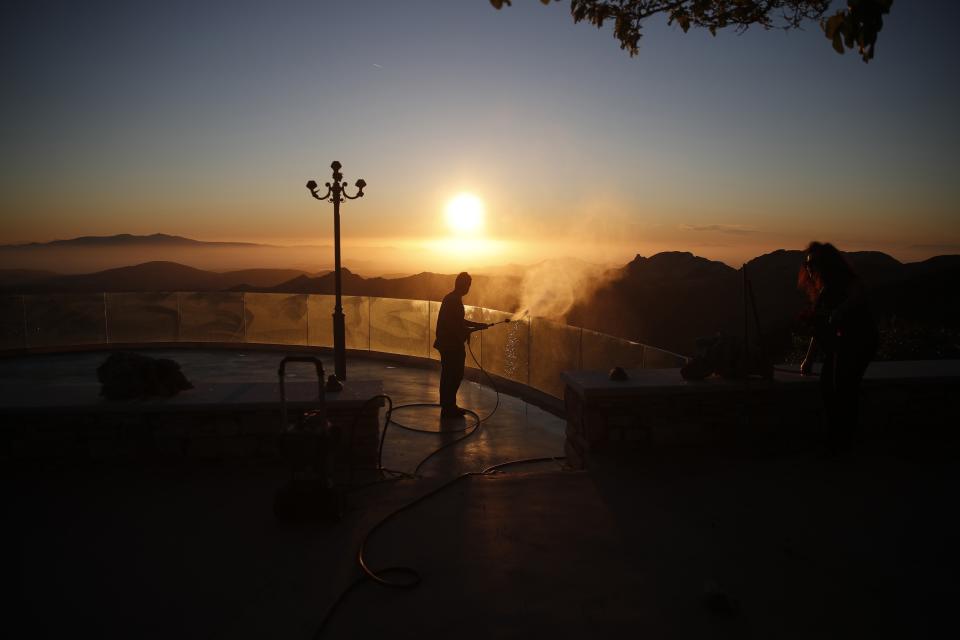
(519, 317)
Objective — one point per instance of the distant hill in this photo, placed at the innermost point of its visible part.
(149, 276)
(126, 240)
(90, 254)
(665, 300)
(675, 265)
(495, 292)
(670, 299)
(18, 277)
(927, 293)
(498, 292)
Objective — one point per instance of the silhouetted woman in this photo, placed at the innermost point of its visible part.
(843, 329)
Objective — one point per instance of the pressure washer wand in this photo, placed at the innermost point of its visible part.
(492, 324)
(505, 321)
(523, 315)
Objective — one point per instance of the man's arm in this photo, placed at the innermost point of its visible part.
(475, 326)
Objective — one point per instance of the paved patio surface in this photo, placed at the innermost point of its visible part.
(516, 430)
(649, 543)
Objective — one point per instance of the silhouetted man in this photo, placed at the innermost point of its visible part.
(453, 330)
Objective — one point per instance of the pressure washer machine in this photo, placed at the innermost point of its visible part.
(307, 442)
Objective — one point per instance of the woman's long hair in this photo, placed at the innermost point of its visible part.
(823, 266)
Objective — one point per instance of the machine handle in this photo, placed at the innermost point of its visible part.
(281, 372)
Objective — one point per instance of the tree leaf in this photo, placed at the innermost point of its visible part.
(837, 43)
(831, 26)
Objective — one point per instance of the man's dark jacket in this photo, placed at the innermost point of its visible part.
(452, 331)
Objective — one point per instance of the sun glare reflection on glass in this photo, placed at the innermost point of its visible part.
(465, 213)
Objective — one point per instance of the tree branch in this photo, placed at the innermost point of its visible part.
(857, 25)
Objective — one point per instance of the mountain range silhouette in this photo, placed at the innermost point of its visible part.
(666, 300)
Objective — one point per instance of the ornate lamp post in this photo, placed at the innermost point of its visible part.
(336, 192)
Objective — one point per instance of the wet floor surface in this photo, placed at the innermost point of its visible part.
(678, 544)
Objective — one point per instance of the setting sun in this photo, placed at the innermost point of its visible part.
(465, 213)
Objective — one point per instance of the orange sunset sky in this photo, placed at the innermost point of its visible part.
(206, 121)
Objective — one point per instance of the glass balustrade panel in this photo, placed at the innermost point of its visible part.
(506, 347)
(554, 348)
(356, 311)
(356, 321)
(12, 330)
(400, 326)
(143, 317)
(532, 352)
(475, 344)
(65, 319)
(276, 318)
(211, 317)
(602, 352)
(320, 320)
(654, 358)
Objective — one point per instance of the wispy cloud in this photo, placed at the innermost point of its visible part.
(734, 229)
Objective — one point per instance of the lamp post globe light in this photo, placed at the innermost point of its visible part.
(336, 193)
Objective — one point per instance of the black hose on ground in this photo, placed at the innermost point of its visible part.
(412, 576)
(796, 372)
(413, 579)
(476, 427)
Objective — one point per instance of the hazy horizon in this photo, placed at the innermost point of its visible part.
(365, 260)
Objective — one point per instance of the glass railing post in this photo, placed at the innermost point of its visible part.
(579, 347)
(243, 316)
(529, 342)
(26, 333)
(106, 323)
